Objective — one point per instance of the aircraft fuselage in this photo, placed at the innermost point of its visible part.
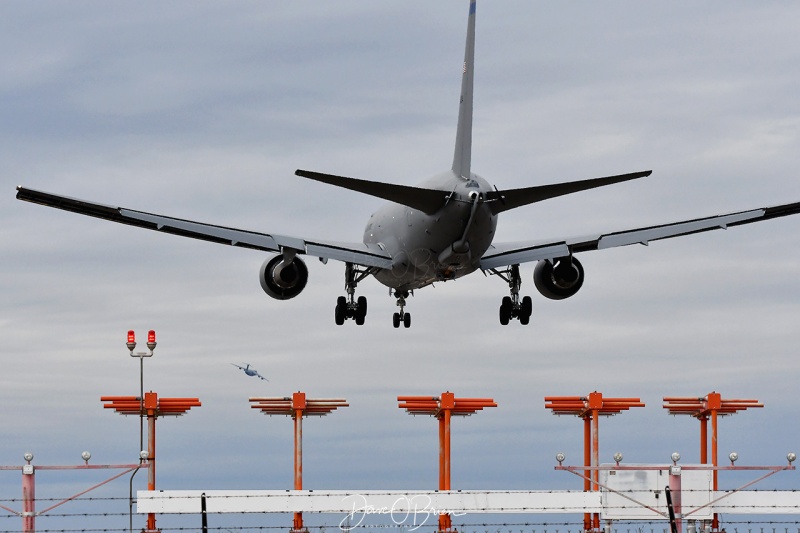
(442, 246)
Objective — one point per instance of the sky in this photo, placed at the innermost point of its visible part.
(203, 110)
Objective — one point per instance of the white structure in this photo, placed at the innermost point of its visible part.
(628, 493)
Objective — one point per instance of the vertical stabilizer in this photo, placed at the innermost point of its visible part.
(463, 152)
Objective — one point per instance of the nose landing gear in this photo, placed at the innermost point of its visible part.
(402, 316)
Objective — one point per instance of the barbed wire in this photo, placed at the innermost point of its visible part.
(499, 527)
(478, 527)
(90, 521)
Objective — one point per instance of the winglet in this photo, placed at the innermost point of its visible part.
(463, 150)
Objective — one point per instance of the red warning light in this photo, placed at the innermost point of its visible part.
(131, 344)
(151, 340)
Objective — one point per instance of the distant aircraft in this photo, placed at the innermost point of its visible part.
(439, 231)
(252, 372)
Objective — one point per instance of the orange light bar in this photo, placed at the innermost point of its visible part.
(583, 405)
(132, 405)
(289, 405)
(435, 406)
(703, 407)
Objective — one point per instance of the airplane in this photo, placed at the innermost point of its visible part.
(249, 371)
(441, 230)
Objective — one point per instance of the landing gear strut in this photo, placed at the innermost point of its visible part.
(513, 306)
(348, 306)
(402, 316)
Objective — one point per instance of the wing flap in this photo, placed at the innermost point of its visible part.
(678, 229)
(357, 253)
(515, 254)
(198, 230)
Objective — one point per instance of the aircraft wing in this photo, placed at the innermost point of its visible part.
(357, 253)
(504, 254)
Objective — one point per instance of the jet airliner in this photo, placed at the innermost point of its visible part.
(438, 231)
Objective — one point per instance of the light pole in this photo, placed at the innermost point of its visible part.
(151, 345)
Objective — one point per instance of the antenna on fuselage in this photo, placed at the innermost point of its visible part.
(463, 151)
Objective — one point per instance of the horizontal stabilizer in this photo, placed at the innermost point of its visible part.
(428, 201)
(512, 198)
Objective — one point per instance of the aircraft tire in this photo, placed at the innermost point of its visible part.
(407, 320)
(396, 320)
(526, 310)
(505, 311)
(527, 306)
(341, 310)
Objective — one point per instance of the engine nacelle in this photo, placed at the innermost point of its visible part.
(281, 279)
(558, 279)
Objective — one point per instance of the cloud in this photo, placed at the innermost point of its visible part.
(205, 111)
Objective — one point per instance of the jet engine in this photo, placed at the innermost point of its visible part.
(558, 278)
(283, 279)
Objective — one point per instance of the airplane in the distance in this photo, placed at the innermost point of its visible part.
(252, 372)
(438, 231)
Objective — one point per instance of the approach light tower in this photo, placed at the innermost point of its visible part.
(443, 408)
(711, 406)
(297, 407)
(152, 407)
(590, 408)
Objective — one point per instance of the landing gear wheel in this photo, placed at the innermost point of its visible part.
(341, 310)
(401, 318)
(525, 310)
(361, 310)
(505, 310)
(527, 306)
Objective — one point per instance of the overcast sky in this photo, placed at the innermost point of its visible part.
(203, 110)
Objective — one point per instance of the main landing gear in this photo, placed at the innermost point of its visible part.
(402, 316)
(356, 308)
(348, 306)
(513, 306)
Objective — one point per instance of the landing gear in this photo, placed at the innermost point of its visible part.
(402, 316)
(513, 306)
(348, 306)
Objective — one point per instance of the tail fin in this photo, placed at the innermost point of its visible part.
(463, 152)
